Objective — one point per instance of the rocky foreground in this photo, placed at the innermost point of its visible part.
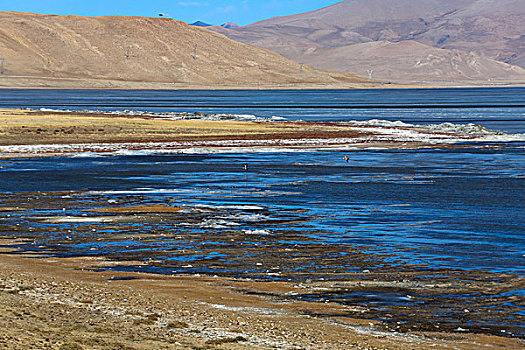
(65, 304)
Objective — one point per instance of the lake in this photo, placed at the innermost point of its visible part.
(454, 214)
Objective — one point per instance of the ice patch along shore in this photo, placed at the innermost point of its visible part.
(145, 136)
(172, 115)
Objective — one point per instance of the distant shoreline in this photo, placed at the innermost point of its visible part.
(23, 82)
(30, 133)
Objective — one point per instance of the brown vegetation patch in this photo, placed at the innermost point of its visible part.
(154, 208)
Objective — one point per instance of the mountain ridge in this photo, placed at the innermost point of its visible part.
(490, 29)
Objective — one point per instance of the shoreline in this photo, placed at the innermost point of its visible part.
(30, 133)
(23, 82)
(7, 82)
(47, 298)
(262, 87)
(102, 302)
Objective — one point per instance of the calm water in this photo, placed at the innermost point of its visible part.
(291, 215)
(497, 108)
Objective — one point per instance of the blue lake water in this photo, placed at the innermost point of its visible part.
(497, 108)
(290, 215)
(472, 199)
(466, 205)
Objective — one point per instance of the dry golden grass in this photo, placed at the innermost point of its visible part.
(31, 127)
(65, 304)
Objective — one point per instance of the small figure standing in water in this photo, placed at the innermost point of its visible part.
(346, 159)
(245, 167)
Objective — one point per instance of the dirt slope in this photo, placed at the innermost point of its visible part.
(138, 49)
(493, 30)
(410, 61)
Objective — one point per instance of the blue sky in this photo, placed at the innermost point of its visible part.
(215, 12)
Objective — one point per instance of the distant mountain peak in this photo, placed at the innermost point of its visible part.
(227, 25)
(200, 24)
(230, 25)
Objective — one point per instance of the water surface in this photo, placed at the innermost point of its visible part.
(497, 108)
(452, 216)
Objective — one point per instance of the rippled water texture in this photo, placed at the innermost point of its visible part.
(496, 108)
(461, 209)
(454, 214)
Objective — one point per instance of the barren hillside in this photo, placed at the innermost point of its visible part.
(411, 62)
(491, 29)
(138, 49)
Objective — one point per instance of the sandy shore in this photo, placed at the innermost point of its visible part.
(42, 82)
(31, 82)
(65, 304)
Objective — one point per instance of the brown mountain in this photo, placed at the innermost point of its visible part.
(88, 51)
(492, 29)
(412, 62)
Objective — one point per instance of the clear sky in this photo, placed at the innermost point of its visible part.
(210, 11)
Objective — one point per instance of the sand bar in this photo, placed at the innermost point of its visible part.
(41, 133)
